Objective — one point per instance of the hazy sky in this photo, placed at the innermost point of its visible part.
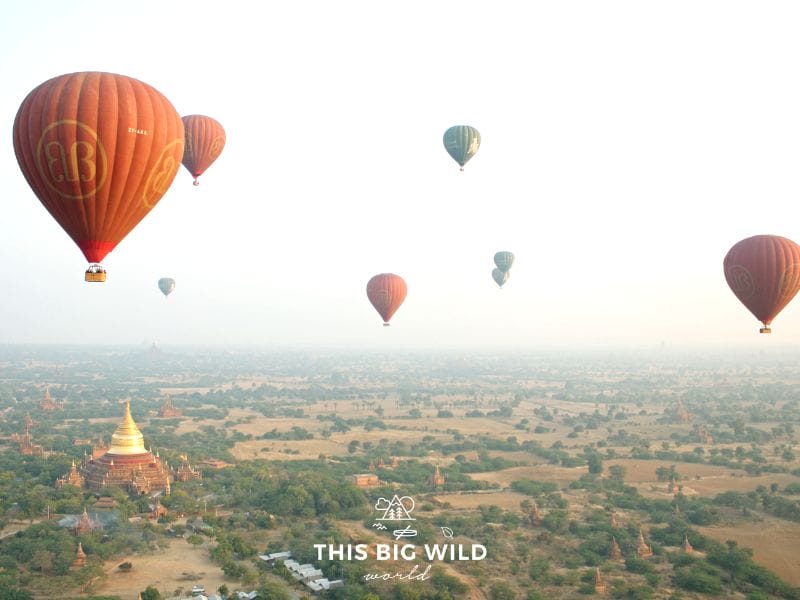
(626, 146)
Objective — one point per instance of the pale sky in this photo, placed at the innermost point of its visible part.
(626, 146)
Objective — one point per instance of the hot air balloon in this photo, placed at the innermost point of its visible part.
(500, 277)
(166, 285)
(462, 142)
(504, 260)
(205, 139)
(764, 273)
(99, 150)
(386, 292)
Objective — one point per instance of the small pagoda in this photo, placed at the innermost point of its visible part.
(644, 550)
(80, 558)
(614, 520)
(616, 552)
(686, 547)
(535, 517)
(599, 583)
(127, 464)
(436, 479)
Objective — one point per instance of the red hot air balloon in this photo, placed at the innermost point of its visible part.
(205, 139)
(99, 150)
(386, 292)
(764, 273)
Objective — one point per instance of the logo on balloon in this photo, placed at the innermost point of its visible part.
(162, 173)
(741, 282)
(216, 146)
(71, 159)
(790, 282)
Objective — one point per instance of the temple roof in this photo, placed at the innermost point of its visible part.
(127, 439)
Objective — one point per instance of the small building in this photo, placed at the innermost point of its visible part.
(365, 480)
(106, 503)
(686, 547)
(47, 404)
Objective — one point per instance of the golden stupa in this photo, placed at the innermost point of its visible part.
(127, 463)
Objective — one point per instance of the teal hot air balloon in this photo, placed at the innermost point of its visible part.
(166, 285)
(462, 142)
(504, 259)
(500, 277)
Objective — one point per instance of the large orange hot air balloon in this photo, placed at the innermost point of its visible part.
(764, 273)
(386, 292)
(99, 150)
(205, 139)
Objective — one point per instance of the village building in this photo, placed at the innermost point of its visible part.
(644, 550)
(127, 464)
(106, 503)
(363, 480)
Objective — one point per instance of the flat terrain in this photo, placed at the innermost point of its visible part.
(775, 544)
(179, 566)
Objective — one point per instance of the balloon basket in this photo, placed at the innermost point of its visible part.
(386, 324)
(95, 274)
(765, 330)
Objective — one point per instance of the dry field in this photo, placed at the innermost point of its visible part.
(165, 570)
(504, 500)
(775, 544)
(560, 475)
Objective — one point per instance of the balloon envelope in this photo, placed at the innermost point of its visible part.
(166, 285)
(763, 272)
(386, 292)
(99, 150)
(461, 143)
(504, 260)
(205, 139)
(500, 277)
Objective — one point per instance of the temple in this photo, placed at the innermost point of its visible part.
(71, 478)
(686, 547)
(80, 558)
(127, 464)
(47, 403)
(167, 410)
